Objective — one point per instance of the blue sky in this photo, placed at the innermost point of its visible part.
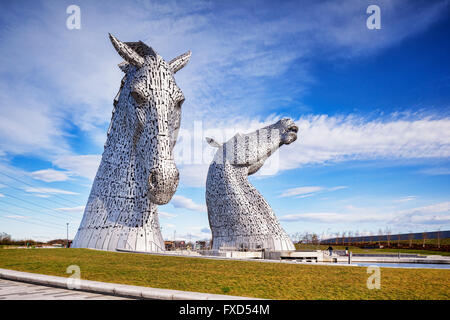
(372, 107)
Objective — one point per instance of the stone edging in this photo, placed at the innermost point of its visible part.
(136, 292)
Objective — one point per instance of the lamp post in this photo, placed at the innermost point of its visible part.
(67, 235)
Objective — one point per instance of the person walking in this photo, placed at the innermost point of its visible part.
(330, 249)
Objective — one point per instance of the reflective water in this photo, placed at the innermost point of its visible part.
(403, 265)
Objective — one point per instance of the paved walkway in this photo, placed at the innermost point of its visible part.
(13, 290)
(99, 289)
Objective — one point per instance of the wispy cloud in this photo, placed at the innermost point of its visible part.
(80, 165)
(166, 214)
(435, 171)
(230, 70)
(16, 217)
(49, 191)
(78, 209)
(186, 203)
(303, 192)
(332, 139)
(300, 191)
(406, 199)
(326, 139)
(437, 213)
(50, 175)
(197, 233)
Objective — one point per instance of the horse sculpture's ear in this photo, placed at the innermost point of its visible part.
(180, 61)
(213, 143)
(128, 54)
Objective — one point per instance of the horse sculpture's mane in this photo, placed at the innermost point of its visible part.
(137, 171)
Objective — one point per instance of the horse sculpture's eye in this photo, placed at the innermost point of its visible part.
(138, 97)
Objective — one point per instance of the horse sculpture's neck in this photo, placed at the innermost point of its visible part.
(119, 214)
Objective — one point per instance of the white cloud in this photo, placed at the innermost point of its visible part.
(186, 203)
(80, 165)
(437, 213)
(434, 208)
(79, 209)
(169, 225)
(50, 175)
(45, 191)
(227, 75)
(332, 217)
(435, 171)
(323, 139)
(193, 175)
(304, 192)
(166, 214)
(16, 217)
(300, 191)
(337, 188)
(197, 234)
(331, 139)
(2, 195)
(406, 199)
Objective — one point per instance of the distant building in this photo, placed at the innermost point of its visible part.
(175, 245)
(200, 245)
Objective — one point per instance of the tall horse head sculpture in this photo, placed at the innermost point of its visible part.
(239, 216)
(137, 171)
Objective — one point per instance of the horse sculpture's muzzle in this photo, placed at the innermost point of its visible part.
(288, 130)
(162, 182)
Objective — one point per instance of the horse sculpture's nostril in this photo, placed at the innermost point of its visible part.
(293, 129)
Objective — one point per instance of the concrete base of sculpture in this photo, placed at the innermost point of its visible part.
(254, 242)
(114, 239)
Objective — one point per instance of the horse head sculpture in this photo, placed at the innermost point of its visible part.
(253, 149)
(153, 102)
(239, 216)
(137, 171)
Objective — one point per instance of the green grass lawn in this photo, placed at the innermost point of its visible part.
(243, 278)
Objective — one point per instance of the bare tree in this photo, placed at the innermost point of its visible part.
(350, 238)
(380, 234)
(314, 239)
(306, 238)
(296, 237)
(424, 237)
(5, 238)
(357, 237)
(388, 235)
(439, 238)
(411, 237)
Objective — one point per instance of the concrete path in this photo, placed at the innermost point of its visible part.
(103, 288)
(13, 290)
